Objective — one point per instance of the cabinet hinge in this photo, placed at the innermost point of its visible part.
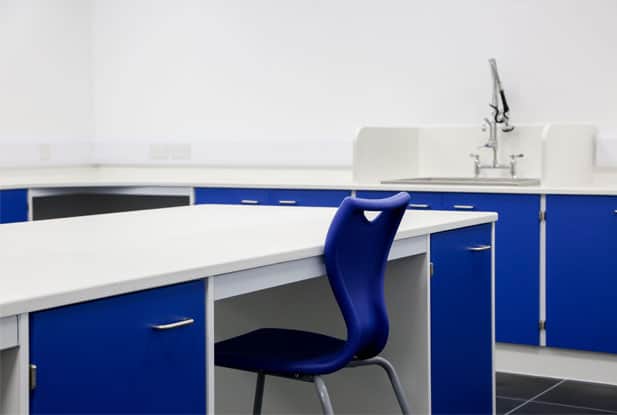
(542, 325)
(542, 216)
(32, 373)
(431, 269)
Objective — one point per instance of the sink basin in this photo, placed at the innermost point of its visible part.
(470, 181)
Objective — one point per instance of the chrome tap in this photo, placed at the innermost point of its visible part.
(501, 115)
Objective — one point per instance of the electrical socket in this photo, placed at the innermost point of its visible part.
(179, 151)
(159, 152)
(44, 152)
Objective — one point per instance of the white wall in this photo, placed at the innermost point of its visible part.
(233, 80)
(286, 82)
(45, 81)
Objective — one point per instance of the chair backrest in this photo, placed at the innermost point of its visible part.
(356, 252)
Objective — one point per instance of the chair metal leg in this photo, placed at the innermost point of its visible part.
(324, 398)
(392, 375)
(259, 393)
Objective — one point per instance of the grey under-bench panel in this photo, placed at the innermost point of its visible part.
(82, 204)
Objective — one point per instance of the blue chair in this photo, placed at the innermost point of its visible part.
(355, 255)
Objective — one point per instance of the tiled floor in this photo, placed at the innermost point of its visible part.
(518, 394)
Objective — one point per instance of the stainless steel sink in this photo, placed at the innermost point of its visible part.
(470, 181)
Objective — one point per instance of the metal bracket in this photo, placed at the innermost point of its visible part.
(431, 269)
(542, 325)
(542, 216)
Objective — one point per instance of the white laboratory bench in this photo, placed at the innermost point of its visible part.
(286, 178)
(538, 263)
(252, 262)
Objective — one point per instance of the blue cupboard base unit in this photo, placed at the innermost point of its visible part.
(517, 262)
(104, 356)
(581, 281)
(461, 323)
(270, 197)
(13, 206)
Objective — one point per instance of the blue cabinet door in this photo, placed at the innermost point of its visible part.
(301, 197)
(231, 196)
(13, 206)
(419, 200)
(105, 357)
(517, 263)
(461, 323)
(581, 280)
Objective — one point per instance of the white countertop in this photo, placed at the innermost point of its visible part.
(51, 263)
(247, 177)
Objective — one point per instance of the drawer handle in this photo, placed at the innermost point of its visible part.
(287, 202)
(169, 326)
(479, 248)
(464, 207)
(249, 202)
(419, 206)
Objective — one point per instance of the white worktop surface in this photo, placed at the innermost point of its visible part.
(50, 263)
(247, 177)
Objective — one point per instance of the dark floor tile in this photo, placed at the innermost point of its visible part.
(536, 407)
(521, 386)
(590, 395)
(506, 404)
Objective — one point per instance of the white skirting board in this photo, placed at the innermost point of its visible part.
(557, 363)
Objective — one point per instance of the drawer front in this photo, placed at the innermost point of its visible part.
(105, 356)
(13, 206)
(8, 332)
(466, 201)
(418, 201)
(318, 198)
(426, 201)
(224, 196)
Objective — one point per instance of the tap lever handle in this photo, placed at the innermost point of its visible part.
(517, 156)
(504, 102)
(475, 156)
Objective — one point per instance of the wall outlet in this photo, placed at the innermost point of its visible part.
(179, 151)
(44, 152)
(159, 152)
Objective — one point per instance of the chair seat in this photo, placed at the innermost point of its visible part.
(281, 351)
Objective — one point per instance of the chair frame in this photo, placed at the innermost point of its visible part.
(322, 390)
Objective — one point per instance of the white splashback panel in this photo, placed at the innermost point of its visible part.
(606, 149)
(569, 155)
(444, 151)
(390, 153)
(385, 153)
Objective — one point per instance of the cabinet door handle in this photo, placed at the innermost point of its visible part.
(249, 202)
(479, 248)
(419, 206)
(464, 207)
(32, 375)
(287, 202)
(174, 325)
